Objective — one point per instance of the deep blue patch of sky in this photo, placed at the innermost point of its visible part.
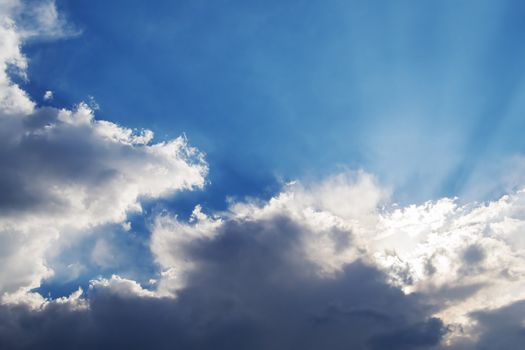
(421, 93)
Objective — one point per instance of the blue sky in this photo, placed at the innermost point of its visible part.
(421, 94)
(343, 165)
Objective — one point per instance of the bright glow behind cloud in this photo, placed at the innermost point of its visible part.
(461, 258)
(64, 174)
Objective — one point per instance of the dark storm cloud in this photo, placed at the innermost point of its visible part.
(251, 289)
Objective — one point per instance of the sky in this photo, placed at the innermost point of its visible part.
(262, 174)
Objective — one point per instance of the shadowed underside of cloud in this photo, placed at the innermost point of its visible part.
(251, 289)
(503, 328)
(455, 259)
(252, 282)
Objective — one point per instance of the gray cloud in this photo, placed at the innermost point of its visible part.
(473, 255)
(251, 289)
(502, 328)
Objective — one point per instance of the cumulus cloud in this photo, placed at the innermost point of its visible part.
(458, 258)
(63, 173)
(446, 248)
(329, 239)
(48, 95)
(13, 99)
(251, 287)
(330, 264)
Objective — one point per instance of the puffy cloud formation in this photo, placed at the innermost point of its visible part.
(292, 273)
(467, 257)
(48, 95)
(331, 264)
(251, 288)
(459, 259)
(333, 215)
(63, 172)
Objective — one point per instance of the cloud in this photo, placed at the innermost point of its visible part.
(329, 264)
(458, 258)
(501, 328)
(39, 19)
(251, 287)
(20, 22)
(13, 100)
(445, 247)
(329, 240)
(64, 173)
(48, 95)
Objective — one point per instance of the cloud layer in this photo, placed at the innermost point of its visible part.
(251, 287)
(328, 264)
(457, 258)
(291, 273)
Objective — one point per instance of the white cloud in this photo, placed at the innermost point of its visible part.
(169, 241)
(462, 258)
(121, 286)
(13, 100)
(337, 216)
(21, 21)
(48, 95)
(37, 302)
(64, 173)
(446, 246)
